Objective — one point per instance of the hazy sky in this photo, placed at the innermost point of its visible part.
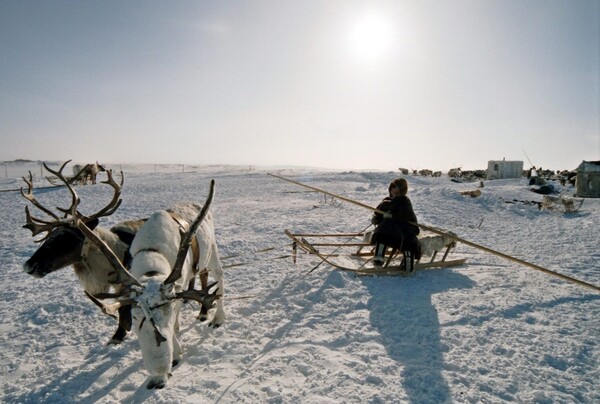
(339, 84)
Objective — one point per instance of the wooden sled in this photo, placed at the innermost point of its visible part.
(561, 203)
(363, 254)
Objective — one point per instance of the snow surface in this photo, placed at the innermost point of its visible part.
(488, 331)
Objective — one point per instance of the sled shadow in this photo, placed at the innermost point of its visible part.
(402, 311)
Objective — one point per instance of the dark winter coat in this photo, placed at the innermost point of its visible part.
(397, 232)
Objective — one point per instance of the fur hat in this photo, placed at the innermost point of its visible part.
(401, 184)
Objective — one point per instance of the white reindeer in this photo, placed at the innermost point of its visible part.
(86, 174)
(161, 267)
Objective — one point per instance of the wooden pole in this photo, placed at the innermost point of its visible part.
(328, 193)
(452, 236)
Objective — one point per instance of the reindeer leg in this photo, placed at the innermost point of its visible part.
(124, 326)
(204, 283)
(177, 352)
(191, 285)
(216, 271)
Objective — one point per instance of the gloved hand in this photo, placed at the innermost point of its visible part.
(387, 215)
(375, 220)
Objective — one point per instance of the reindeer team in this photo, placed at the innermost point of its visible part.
(164, 254)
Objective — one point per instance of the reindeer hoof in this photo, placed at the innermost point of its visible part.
(175, 362)
(114, 341)
(156, 383)
(119, 337)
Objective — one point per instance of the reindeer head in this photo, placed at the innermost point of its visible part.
(63, 242)
(101, 167)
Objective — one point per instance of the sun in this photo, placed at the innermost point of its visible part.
(371, 37)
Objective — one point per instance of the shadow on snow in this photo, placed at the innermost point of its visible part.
(402, 311)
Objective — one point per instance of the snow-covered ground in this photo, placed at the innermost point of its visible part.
(489, 331)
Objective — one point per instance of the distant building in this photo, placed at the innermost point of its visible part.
(500, 169)
(588, 179)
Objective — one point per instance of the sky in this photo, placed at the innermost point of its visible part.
(329, 84)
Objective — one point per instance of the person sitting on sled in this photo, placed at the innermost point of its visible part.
(397, 227)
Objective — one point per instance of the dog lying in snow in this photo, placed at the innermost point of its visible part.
(430, 245)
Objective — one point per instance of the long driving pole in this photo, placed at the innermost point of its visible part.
(452, 236)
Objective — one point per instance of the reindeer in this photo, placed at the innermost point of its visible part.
(160, 268)
(64, 245)
(87, 173)
(455, 173)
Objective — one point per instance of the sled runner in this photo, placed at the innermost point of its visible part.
(350, 252)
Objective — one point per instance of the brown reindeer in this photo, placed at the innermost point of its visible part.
(64, 244)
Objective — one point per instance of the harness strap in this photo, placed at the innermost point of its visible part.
(85, 250)
(85, 253)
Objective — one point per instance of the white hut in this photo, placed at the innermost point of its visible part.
(500, 169)
(588, 179)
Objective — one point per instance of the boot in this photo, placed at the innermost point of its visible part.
(379, 258)
(408, 262)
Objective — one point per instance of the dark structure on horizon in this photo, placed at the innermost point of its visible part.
(588, 179)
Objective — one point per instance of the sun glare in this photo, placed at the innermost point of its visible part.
(371, 37)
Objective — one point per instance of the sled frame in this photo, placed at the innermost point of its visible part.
(300, 241)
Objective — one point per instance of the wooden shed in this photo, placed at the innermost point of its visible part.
(500, 169)
(588, 179)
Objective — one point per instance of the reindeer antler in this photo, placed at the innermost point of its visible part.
(37, 225)
(114, 204)
(203, 296)
(124, 275)
(186, 239)
(109, 309)
(75, 199)
(29, 196)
